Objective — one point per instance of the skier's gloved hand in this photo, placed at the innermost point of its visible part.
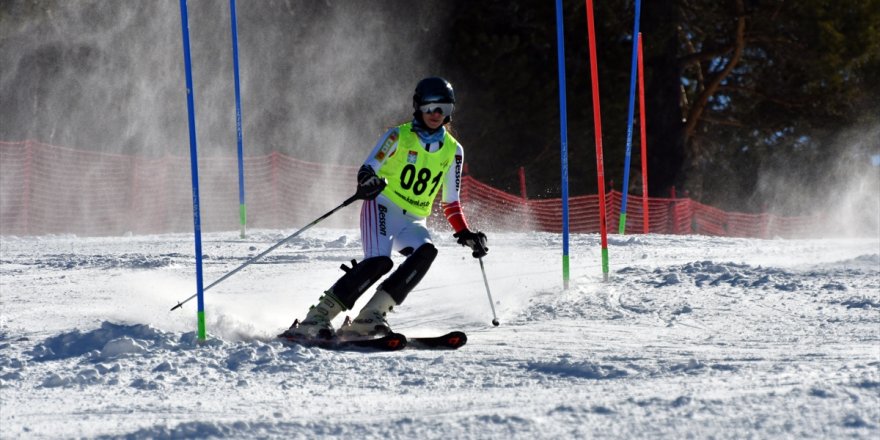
(474, 240)
(369, 184)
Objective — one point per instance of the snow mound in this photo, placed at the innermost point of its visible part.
(123, 261)
(585, 369)
(109, 340)
(121, 346)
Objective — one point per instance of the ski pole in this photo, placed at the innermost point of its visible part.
(491, 303)
(261, 255)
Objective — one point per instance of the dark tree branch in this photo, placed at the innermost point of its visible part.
(699, 105)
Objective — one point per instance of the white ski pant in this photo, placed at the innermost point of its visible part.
(386, 227)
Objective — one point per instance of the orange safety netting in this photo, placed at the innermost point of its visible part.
(46, 189)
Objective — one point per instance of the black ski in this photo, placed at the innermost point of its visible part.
(449, 341)
(389, 342)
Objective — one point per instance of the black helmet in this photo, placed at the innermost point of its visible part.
(433, 89)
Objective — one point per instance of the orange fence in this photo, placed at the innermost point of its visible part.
(47, 189)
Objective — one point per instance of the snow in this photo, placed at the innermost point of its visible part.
(692, 336)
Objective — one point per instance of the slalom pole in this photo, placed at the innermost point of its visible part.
(644, 140)
(629, 121)
(563, 136)
(489, 294)
(275, 246)
(194, 167)
(242, 208)
(597, 123)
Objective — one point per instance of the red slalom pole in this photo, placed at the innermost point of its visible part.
(597, 123)
(644, 140)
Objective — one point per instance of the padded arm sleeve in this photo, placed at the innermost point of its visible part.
(451, 193)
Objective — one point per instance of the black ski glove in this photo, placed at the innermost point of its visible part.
(369, 184)
(474, 240)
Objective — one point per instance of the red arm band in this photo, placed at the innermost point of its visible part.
(455, 216)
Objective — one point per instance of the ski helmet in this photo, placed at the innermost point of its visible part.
(433, 90)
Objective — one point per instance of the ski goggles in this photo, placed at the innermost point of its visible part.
(445, 108)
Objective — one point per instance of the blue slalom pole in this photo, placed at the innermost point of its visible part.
(563, 118)
(629, 121)
(194, 169)
(242, 208)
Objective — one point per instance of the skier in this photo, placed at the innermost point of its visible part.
(399, 181)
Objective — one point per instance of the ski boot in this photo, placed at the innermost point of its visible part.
(370, 322)
(317, 324)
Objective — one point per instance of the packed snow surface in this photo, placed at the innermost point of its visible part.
(691, 336)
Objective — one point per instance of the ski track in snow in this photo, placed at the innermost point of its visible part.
(692, 336)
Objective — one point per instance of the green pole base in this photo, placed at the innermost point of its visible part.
(242, 214)
(565, 272)
(621, 229)
(605, 264)
(202, 333)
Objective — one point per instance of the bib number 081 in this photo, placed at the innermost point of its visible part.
(418, 181)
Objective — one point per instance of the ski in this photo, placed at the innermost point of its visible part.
(449, 341)
(389, 342)
(342, 340)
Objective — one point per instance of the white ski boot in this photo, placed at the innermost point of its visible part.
(371, 320)
(317, 323)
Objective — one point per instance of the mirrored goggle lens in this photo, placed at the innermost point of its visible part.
(443, 108)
